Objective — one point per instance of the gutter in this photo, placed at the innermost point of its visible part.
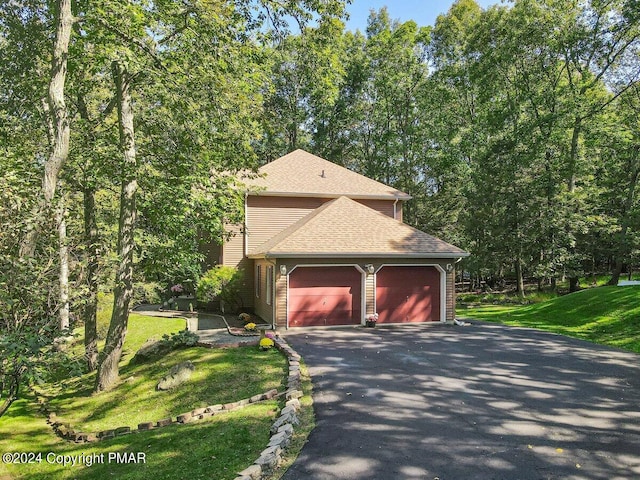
(330, 195)
(444, 255)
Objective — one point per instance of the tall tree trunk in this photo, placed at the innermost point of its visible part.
(58, 122)
(574, 284)
(573, 154)
(519, 278)
(63, 276)
(91, 308)
(108, 363)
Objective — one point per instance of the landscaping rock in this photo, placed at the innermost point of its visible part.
(178, 374)
(268, 461)
(122, 431)
(294, 402)
(294, 394)
(254, 472)
(184, 418)
(164, 422)
(279, 440)
(214, 408)
(283, 419)
(146, 426)
(287, 428)
(149, 350)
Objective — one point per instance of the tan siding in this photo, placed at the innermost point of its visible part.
(399, 212)
(382, 206)
(281, 298)
(370, 294)
(268, 216)
(262, 309)
(233, 256)
(451, 296)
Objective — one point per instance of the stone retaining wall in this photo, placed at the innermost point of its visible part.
(66, 432)
(282, 429)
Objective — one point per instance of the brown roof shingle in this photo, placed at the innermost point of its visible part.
(345, 228)
(302, 173)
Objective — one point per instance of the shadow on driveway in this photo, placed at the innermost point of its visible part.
(478, 402)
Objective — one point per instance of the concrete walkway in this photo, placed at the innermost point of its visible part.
(475, 402)
(211, 328)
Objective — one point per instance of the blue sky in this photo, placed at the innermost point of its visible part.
(423, 12)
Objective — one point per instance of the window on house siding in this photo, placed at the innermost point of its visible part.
(269, 290)
(258, 280)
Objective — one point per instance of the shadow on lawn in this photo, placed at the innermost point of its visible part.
(479, 402)
(221, 376)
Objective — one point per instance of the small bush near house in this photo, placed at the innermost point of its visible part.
(250, 327)
(266, 344)
(183, 338)
(220, 283)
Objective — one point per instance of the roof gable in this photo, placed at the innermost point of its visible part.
(344, 227)
(301, 173)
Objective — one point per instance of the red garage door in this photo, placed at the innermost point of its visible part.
(408, 294)
(321, 296)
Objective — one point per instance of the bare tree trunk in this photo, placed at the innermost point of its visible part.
(108, 363)
(58, 125)
(91, 308)
(519, 278)
(63, 276)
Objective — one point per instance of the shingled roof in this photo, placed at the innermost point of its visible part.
(346, 228)
(301, 173)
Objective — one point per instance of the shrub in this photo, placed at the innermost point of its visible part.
(266, 344)
(183, 338)
(220, 283)
(146, 293)
(245, 317)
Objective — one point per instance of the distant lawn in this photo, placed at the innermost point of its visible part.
(605, 315)
(218, 447)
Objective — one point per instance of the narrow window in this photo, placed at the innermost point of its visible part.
(269, 292)
(258, 280)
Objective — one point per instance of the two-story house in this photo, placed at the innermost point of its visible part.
(322, 245)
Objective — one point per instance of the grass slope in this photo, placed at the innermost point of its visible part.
(214, 448)
(605, 315)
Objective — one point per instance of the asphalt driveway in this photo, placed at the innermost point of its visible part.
(476, 402)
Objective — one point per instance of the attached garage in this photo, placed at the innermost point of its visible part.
(321, 296)
(409, 294)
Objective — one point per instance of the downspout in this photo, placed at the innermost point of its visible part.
(395, 202)
(274, 288)
(246, 226)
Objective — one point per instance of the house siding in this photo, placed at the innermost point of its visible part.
(266, 216)
(281, 298)
(261, 305)
(451, 295)
(233, 256)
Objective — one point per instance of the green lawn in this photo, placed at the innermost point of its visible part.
(605, 315)
(218, 447)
